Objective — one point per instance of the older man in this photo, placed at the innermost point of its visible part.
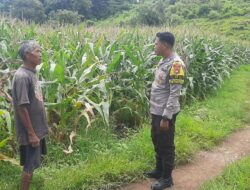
(30, 117)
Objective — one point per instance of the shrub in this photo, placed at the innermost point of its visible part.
(66, 16)
(213, 14)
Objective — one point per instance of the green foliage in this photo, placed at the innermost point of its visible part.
(65, 16)
(109, 72)
(155, 15)
(6, 132)
(213, 14)
(101, 161)
(209, 63)
(234, 28)
(171, 14)
(91, 78)
(151, 15)
(204, 10)
(80, 6)
(29, 9)
(163, 12)
(5, 6)
(90, 9)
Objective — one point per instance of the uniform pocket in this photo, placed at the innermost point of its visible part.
(161, 77)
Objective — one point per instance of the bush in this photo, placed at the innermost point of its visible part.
(204, 10)
(150, 17)
(213, 14)
(175, 20)
(216, 5)
(66, 16)
(153, 15)
(89, 23)
(147, 16)
(185, 13)
(238, 12)
(191, 15)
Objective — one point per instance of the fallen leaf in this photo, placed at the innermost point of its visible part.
(71, 136)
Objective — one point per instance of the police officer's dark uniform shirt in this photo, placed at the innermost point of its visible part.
(26, 90)
(166, 87)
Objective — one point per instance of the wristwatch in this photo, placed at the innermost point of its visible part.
(165, 118)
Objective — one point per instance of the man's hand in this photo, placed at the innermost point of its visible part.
(34, 140)
(164, 125)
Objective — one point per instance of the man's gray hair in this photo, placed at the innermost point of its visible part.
(27, 47)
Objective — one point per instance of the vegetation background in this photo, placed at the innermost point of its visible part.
(96, 73)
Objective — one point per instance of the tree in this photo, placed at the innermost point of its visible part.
(149, 16)
(172, 2)
(82, 6)
(213, 14)
(99, 8)
(54, 5)
(65, 16)
(29, 10)
(5, 6)
(105, 8)
(204, 10)
(115, 6)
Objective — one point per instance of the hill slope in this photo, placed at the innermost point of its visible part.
(227, 17)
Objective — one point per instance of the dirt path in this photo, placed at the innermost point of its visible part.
(206, 165)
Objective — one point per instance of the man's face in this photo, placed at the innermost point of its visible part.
(161, 49)
(35, 56)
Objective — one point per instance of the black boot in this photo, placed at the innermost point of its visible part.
(166, 180)
(162, 184)
(157, 172)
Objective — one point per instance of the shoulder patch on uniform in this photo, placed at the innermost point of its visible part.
(177, 73)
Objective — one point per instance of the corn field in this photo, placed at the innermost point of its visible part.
(95, 76)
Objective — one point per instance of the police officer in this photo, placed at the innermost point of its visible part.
(164, 108)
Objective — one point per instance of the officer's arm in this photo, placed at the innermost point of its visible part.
(176, 81)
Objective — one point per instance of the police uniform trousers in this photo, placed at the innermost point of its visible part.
(164, 145)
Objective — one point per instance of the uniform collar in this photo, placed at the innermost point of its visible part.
(168, 59)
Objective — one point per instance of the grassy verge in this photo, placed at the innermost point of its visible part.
(102, 161)
(236, 27)
(235, 176)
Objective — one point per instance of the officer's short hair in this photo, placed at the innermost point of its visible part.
(166, 37)
(27, 47)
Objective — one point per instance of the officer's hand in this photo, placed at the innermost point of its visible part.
(164, 125)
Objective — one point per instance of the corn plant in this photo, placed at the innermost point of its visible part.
(96, 76)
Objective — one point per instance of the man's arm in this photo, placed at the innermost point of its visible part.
(175, 92)
(21, 90)
(24, 115)
(176, 80)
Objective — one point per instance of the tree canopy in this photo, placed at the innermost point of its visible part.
(41, 10)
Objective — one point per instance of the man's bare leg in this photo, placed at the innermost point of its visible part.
(26, 180)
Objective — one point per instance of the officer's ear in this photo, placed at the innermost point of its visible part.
(167, 46)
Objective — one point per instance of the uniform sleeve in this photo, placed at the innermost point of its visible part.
(176, 80)
(22, 91)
